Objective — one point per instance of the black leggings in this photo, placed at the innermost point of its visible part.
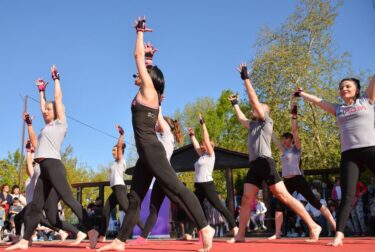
(353, 162)
(156, 200)
(19, 219)
(152, 162)
(119, 196)
(299, 184)
(207, 190)
(53, 175)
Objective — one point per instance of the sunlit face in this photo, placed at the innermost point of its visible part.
(16, 191)
(114, 152)
(348, 90)
(287, 142)
(202, 147)
(49, 113)
(6, 188)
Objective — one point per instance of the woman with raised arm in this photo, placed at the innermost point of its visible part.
(167, 131)
(117, 184)
(203, 180)
(262, 165)
(355, 119)
(53, 173)
(152, 160)
(290, 147)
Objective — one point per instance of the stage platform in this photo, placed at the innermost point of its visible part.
(363, 244)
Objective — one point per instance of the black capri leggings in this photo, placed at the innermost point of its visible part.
(152, 162)
(52, 175)
(299, 184)
(207, 190)
(119, 196)
(353, 162)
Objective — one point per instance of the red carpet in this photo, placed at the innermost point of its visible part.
(251, 245)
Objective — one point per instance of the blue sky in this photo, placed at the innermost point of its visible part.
(200, 44)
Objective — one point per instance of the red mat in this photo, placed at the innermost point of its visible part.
(251, 245)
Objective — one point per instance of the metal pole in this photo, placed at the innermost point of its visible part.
(22, 144)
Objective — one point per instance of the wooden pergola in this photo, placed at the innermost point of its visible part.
(183, 160)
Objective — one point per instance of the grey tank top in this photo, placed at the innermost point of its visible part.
(50, 139)
(356, 124)
(167, 140)
(259, 141)
(290, 162)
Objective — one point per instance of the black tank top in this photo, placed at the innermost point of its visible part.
(144, 120)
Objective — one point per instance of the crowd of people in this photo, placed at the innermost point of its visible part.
(155, 136)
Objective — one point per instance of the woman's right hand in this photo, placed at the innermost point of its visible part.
(41, 84)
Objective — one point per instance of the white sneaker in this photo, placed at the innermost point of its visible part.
(264, 227)
(256, 228)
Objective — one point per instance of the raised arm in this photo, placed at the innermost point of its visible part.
(29, 159)
(276, 140)
(194, 141)
(206, 136)
(139, 55)
(297, 142)
(240, 115)
(41, 84)
(58, 94)
(32, 136)
(326, 106)
(120, 143)
(370, 91)
(253, 98)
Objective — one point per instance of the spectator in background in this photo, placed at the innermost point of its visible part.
(336, 191)
(16, 193)
(259, 214)
(372, 216)
(333, 210)
(357, 213)
(6, 197)
(2, 217)
(371, 190)
(14, 209)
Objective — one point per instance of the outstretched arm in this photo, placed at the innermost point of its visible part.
(29, 159)
(240, 115)
(58, 94)
(41, 84)
(297, 142)
(277, 142)
(206, 136)
(120, 142)
(370, 91)
(253, 98)
(32, 136)
(147, 88)
(194, 141)
(326, 106)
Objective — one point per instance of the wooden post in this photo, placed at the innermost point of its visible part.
(230, 196)
(79, 195)
(101, 193)
(22, 146)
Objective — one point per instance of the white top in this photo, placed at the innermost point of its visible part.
(290, 162)
(117, 173)
(204, 168)
(167, 140)
(50, 139)
(20, 197)
(30, 184)
(260, 208)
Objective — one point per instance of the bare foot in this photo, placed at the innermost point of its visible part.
(274, 237)
(93, 237)
(63, 235)
(80, 237)
(207, 235)
(236, 239)
(116, 245)
(22, 244)
(338, 240)
(15, 239)
(314, 234)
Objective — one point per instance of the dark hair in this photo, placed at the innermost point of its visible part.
(15, 198)
(157, 78)
(4, 185)
(123, 147)
(287, 135)
(356, 82)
